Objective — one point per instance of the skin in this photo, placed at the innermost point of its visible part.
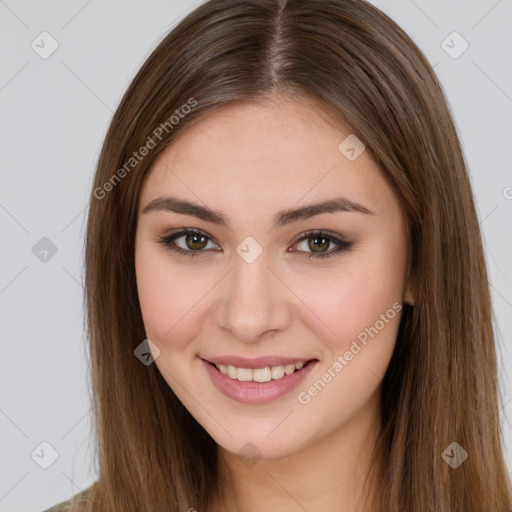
(250, 161)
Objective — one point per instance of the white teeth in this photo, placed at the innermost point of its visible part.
(244, 374)
(277, 372)
(289, 368)
(258, 374)
(232, 372)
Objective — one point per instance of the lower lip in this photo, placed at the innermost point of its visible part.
(257, 392)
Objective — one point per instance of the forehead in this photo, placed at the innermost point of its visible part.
(279, 151)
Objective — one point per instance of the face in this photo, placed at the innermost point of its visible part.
(256, 281)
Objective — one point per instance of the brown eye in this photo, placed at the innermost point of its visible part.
(195, 242)
(318, 243)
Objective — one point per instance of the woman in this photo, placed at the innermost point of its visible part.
(287, 297)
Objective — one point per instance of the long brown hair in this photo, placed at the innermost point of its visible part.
(352, 60)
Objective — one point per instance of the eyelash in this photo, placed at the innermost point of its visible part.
(167, 241)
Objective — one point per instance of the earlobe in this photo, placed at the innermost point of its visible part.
(408, 297)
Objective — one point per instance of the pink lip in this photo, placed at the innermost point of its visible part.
(257, 392)
(257, 362)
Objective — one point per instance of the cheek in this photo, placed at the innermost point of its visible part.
(354, 296)
(154, 297)
(361, 302)
(168, 297)
(365, 316)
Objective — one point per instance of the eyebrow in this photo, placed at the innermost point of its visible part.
(281, 218)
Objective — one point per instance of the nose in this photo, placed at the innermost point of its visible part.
(255, 301)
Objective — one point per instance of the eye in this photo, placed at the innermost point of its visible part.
(196, 240)
(317, 241)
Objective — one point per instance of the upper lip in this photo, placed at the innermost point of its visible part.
(257, 362)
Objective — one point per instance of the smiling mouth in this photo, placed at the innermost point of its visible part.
(265, 374)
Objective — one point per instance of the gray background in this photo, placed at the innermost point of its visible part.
(54, 113)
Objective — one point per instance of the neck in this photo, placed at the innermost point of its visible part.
(329, 474)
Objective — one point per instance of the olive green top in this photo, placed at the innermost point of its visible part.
(65, 506)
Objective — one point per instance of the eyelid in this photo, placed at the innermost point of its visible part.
(166, 240)
(319, 232)
(342, 244)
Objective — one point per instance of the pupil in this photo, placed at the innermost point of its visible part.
(194, 238)
(316, 245)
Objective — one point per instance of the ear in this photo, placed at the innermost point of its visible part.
(408, 296)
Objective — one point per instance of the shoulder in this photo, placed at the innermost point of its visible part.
(67, 506)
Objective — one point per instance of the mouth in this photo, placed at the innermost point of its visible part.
(252, 382)
(264, 374)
